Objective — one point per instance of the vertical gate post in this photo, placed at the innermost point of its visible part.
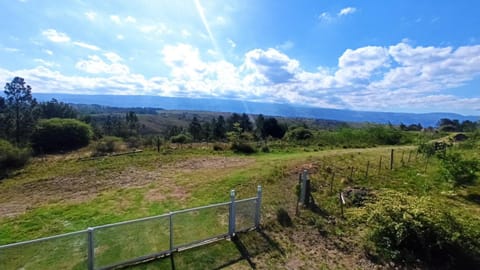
(258, 208)
(91, 249)
(231, 223)
(170, 221)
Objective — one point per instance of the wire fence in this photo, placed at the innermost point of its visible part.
(125, 243)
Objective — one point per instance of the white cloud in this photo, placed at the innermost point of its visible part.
(359, 64)
(86, 45)
(130, 19)
(120, 37)
(95, 65)
(45, 63)
(49, 52)
(394, 77)
(113, 57)
(115, 19)
(185, 33)
(232, 43)
(91, 16)
(54, 36)
(346, 11)
(271, 66)
(325, 17)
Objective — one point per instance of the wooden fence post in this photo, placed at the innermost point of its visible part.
(391, 159)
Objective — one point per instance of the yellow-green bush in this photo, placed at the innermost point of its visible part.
(409, 229)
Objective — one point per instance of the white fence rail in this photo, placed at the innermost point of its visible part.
(128, 242)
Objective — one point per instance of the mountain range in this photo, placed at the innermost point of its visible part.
(238, 106)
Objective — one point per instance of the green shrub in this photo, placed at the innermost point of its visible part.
(458, 170)
(427, 149)
(406, 229)
(243, 148)
(217, 147)
(11, 157)
(107, 145)
(265, 149)
(299, 134)
(181, 138)
(52, 135)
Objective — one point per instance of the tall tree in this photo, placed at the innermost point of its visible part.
(20, 105)
(195, 129)
(234, 118)
(272, 128)
(245, 123)
(219, 128)
(3, 118)
(132, 122)
(259, 126)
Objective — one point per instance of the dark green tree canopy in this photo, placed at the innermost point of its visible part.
(56, 109)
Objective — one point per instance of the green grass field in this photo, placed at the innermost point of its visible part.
(59, 194)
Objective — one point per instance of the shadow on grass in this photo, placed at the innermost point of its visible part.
(473, 197)
(236, 252)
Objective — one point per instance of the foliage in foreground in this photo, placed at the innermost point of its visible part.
(459, 170)
(408, 229)
(11, 157)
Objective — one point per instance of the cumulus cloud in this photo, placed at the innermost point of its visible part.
(54, 36)
(357, 65)
(368, 78)
(94, 64)
(271, 66)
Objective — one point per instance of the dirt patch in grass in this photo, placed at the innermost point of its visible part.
(209, 163)
(85, 186)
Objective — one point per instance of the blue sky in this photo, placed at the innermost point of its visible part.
(403, 56)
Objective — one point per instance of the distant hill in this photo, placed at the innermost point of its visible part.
(274, 109)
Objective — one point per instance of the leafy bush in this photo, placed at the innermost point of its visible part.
(52, 135)
(265, 149)
(244, 148)
(427, 149)
(181, 138)
(406, 229)
(459, 170)
(11, 157)
(217, 147)
(299, 134)
(107, 145)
